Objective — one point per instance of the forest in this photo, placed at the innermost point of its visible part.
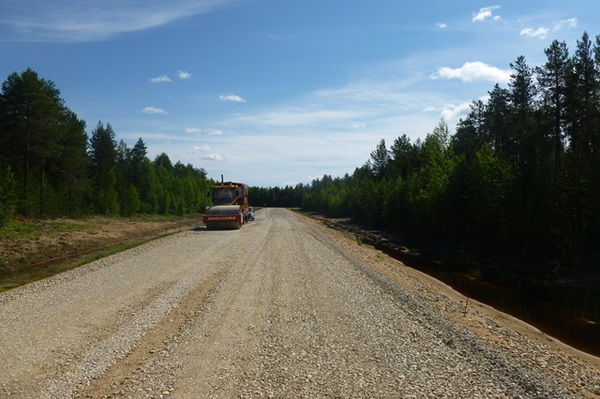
(519, 177)
(49, 166)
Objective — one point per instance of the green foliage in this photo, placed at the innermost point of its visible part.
(37, 133)
(380, 159)
(8, 196)
(130, 201)
(107, 201)
(55, 170)
(520, 175)
(490, 179)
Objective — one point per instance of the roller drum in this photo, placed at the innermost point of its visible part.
(223, 217)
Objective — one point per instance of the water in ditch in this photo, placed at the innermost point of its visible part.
(567, 308)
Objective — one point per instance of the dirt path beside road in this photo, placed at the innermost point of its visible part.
(281, 308)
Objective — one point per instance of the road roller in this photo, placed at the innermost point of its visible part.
(230, 207)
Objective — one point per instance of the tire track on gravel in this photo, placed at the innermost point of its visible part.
(154, 344)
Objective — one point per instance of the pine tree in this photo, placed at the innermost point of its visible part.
(522, 95)
(470, 133)
(31, 111)
(497, 122)
(583, 101)
(552, 78)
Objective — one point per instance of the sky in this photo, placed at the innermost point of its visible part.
(279, 92)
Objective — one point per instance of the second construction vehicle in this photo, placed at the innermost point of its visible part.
(231, 207)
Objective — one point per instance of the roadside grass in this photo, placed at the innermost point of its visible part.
(41, 271)
(34, 249)
(16, 228)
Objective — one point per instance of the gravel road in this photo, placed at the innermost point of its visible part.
(274, 310)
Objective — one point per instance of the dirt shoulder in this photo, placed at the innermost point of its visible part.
(35, 249)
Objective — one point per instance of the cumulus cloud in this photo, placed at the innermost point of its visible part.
(452, 113)
(154, 111)
(540, 33)
(441, 25)
(485, 13)
(183, 75)
(160, 79)
(234, 98)
(472, 72)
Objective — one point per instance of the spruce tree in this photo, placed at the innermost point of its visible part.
(103, 152)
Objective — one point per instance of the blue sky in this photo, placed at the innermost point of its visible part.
(276, 92)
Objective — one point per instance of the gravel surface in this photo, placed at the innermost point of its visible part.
(275, 310)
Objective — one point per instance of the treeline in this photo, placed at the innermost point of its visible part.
(521, 174)
(49, 167)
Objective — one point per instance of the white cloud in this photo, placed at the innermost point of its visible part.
(472, 72)
(206, 153)
(441, 25)
(540, 32)
(569, 23)
(485, 13)
(331, 130)
(302, 116)
(80, 21)
(183, 75)
(212, 157)
(154, 111)
(160, 79)
(208, 132)
(232, 98)
(451, 113)
(201, 148)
